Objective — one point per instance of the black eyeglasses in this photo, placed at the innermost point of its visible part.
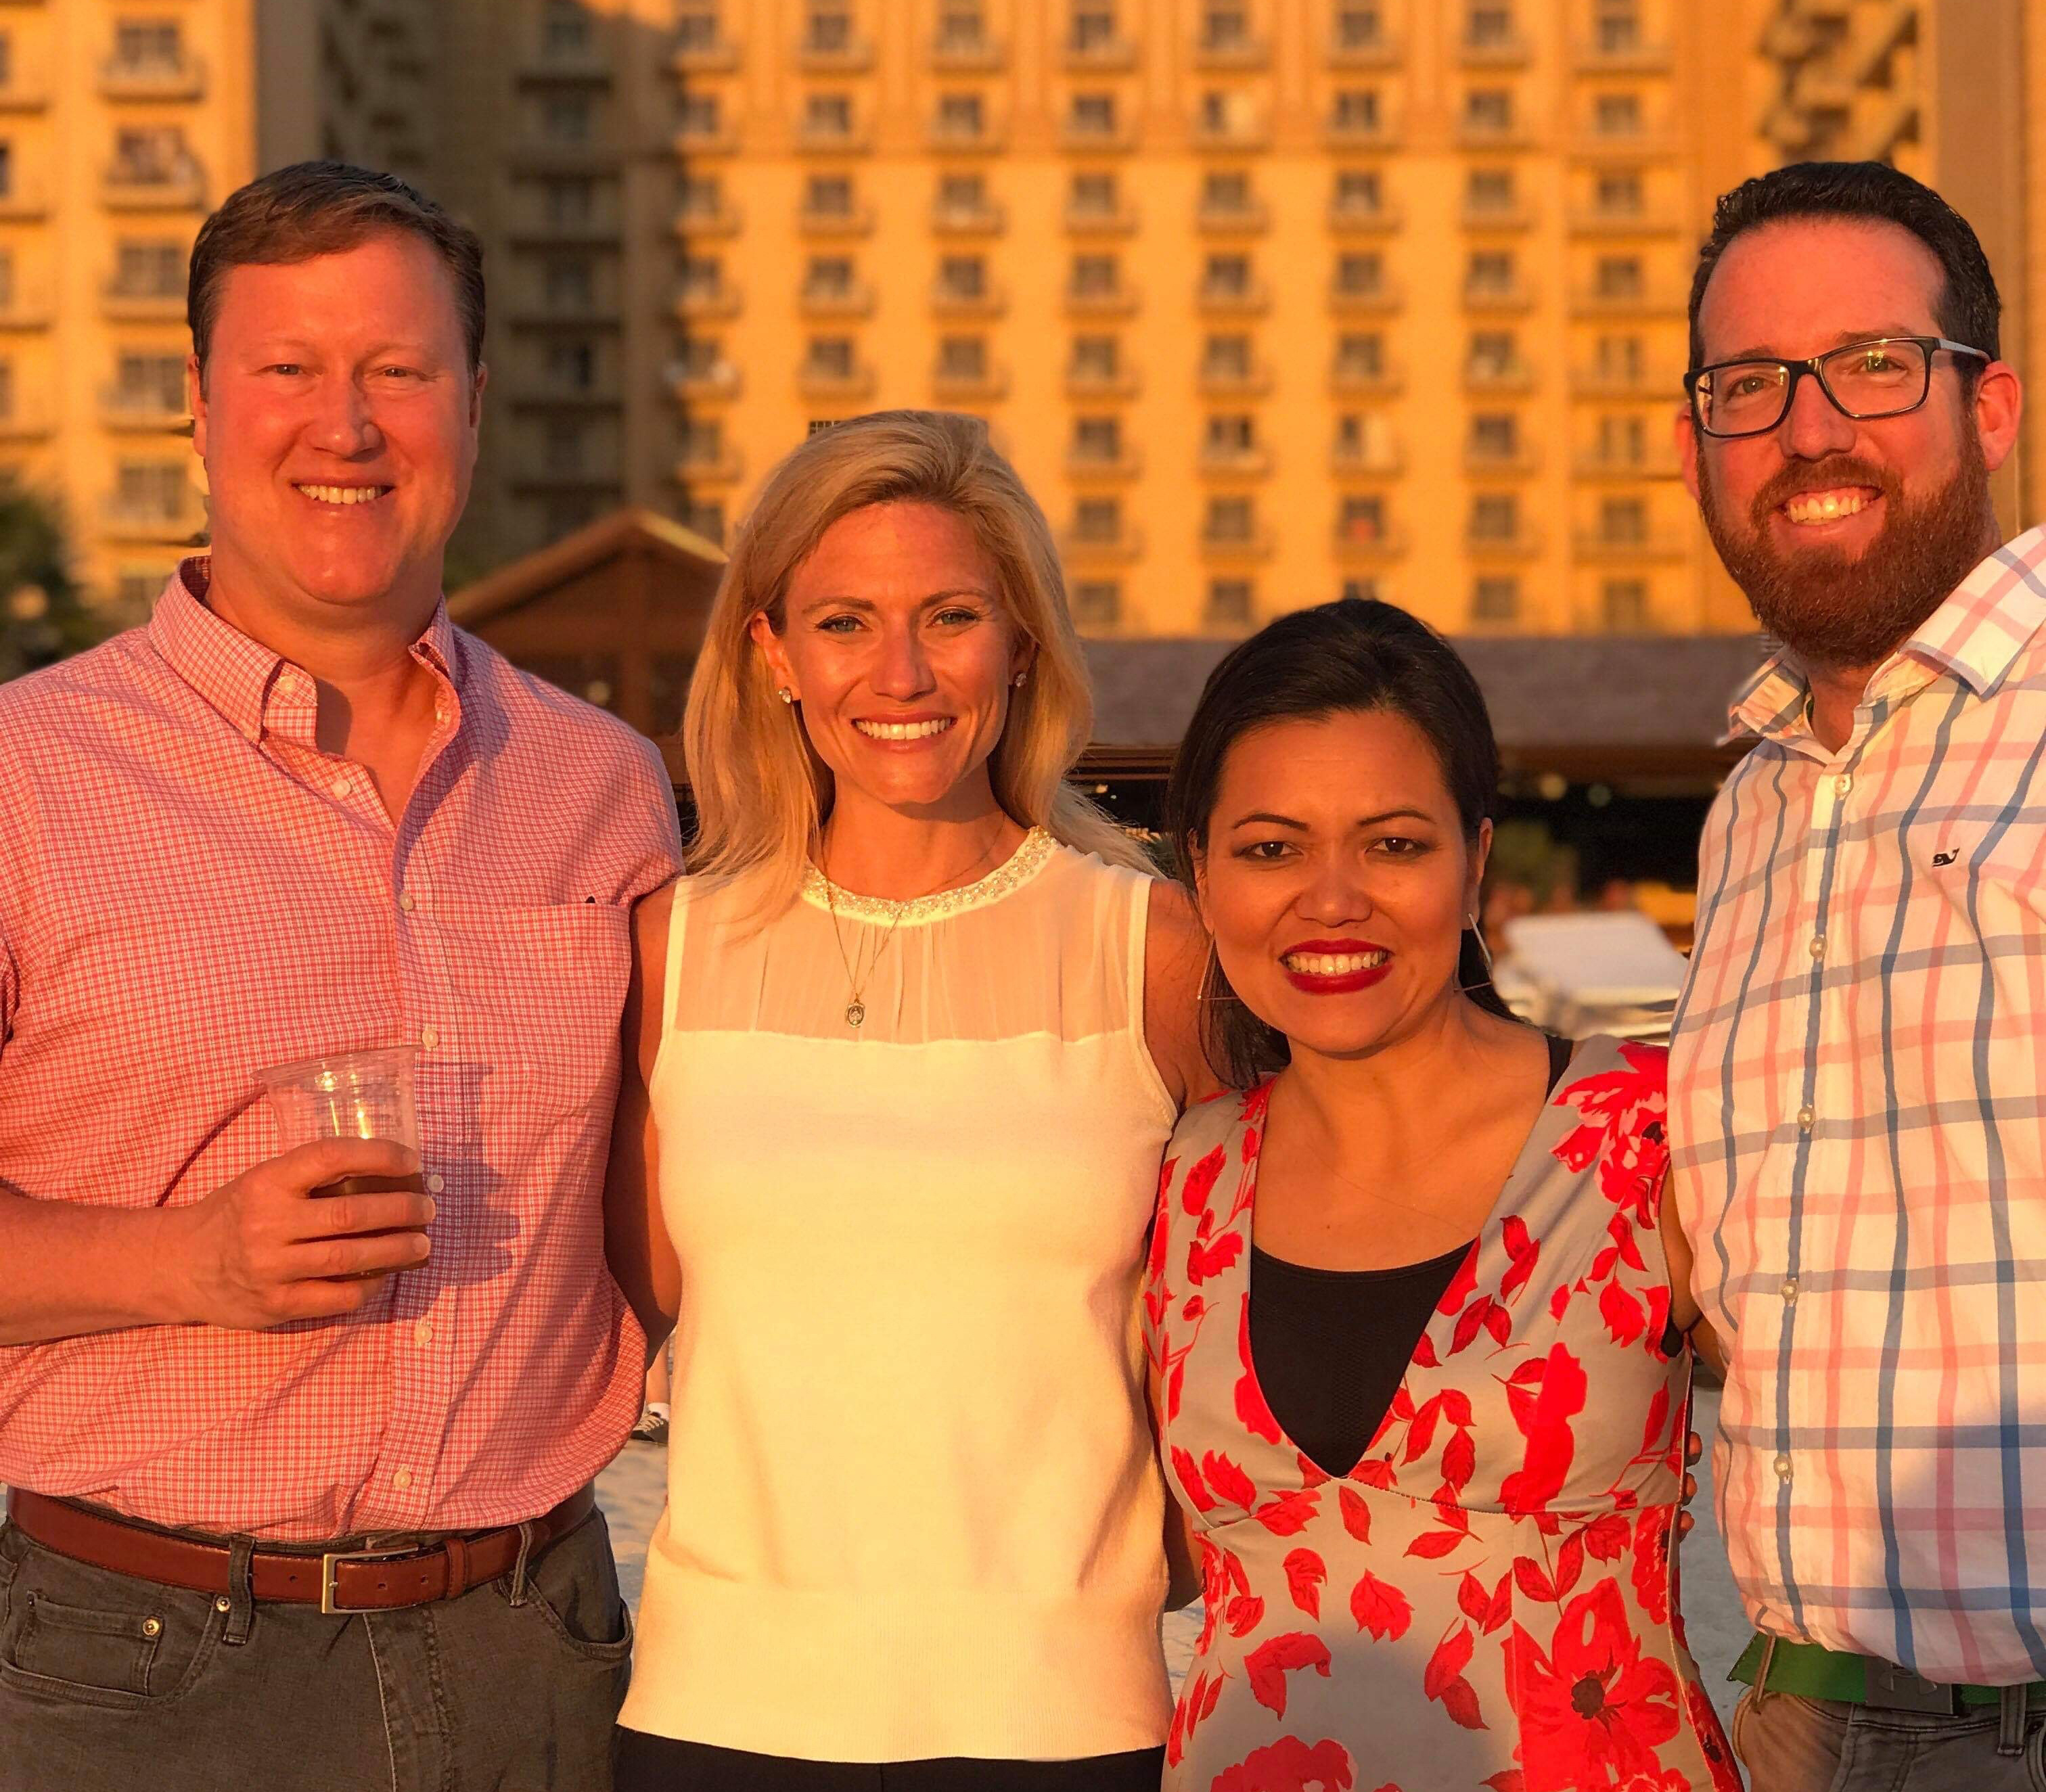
(1885, 377)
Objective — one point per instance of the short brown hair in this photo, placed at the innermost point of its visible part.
(323, 208)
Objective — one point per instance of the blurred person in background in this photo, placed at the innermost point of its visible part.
(281, 1515)
(1416, 1311)
(907, 1044)
(1860, 1147)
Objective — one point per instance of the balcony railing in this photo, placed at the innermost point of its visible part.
(1515, 295)
(1251, 382)
(1649, 219)
(827, 137)
(1627, 383)
(709, 463)
(856, 220)
(1347, 380)
(131, 407)
(1642, 56)
(1222, 54)
(1090, 545)
(1354, 541)
(1232, 216)
(968, 55)
(1523, 541)
(131, 517)
(1652, 297)
(1378, 297)
(1234, 299)
(1513, 214)
(1117, 301)
(24, 199)
(1501, 457)
(1102, 56)
(988, 300)
(721, 56)
(816, 381)
(854, 299)
(1353, 216)
(1493, 134)
(854, 56)
(1087, 383)
(986, 217)
(1113, 135)
(721, 380)
(1362, 133)
(173, 187)
(1601, 461)
(1086, 461)
(1118, 220)
(1378, 459)
(165, 78)
(726, 218)
(1485, 378)
(1380, 52)
(985, 386)
(1654, 543)
(719, 299)
(1229, 542)
(139, 305)
(1512, 50)
(1246, 458)
(958, 136)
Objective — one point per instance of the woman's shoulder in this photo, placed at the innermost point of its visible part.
(1604, 1070)
(1231, 1120)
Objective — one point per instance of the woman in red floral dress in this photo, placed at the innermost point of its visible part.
(1415, 1323)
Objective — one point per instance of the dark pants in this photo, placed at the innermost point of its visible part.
(109, 1683)
(653, 1763)
(1792, 1744)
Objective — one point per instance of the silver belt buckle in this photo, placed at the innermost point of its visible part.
(1897, 1689)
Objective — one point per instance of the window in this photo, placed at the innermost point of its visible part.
(1226, 193)
(1616, 114)
(1490, 190)
(963, 195)
(1097, 519)
(962, 358)
(6, 59)
(1493, 353)
(1229, 520)
(1360, 273)
(701, 276)
(830, 357)
(151, 156)
(1227, 276)
(151, 488)
(1094, 115)
(1097, 604)
(828, 196)
(1359, 27)
(1618, 30)
(1622, 441)
(6, 280)
(701, 440)
(706, 517)
(1361, 354)
(571, 203)
(1096, 358)
(565, 28)
(1224, 26)
(1495, 517)
(828, 276)
(1618, 276)
(829, 28)
(571, 286)
(1231, 435)
(1226, 358)
(1494, 435)
(962, 28)
(1490, 271)
(827, 115)
(964, 276)
(147, 43)
(1624, 605)
(1359, 191)
(1097, 438)
(1229, 604)
(1623, 521)
(696, 27)
(1356, 110)
(1619, 195)
(564, 446)
(149, 270)
(571, 364)
(1095, 276)
(1489, 27)
(1495, 598)
(1489, 110)
(959, 115)
(1619, 356)
(697, 115)
(701, 358)
(1093, 26)
(1361, 517)
(1094, 196)
(570, 118)
(152, 382)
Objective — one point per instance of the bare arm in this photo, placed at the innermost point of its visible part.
(1175, 957)
(636, 1236)
(259, 1251)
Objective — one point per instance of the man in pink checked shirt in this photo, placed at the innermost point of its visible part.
(301, 1485)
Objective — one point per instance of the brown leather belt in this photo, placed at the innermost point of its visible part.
(337, 1580)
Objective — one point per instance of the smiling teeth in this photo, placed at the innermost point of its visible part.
(345, 493)
(903, 730)
(1332, 964)
(1825, 506)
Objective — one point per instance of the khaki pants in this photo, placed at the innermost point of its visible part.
(1792, 1744)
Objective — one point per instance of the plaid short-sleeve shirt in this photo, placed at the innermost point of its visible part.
(1857, 1104)
(190, 889)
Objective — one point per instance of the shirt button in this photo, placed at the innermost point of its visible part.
(1782, 1468)
(1818, 946)
(423, 1333)
(406, 903)
(403, 1478)
(1789, 1290)
(429, 1037)
(1805, 1117)
(1844, 783)
(342, 787)
(435, 1183)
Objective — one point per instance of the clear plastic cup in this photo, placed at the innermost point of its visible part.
(350, 1095)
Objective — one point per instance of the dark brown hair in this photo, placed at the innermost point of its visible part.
(323, 208)
(1353, 656)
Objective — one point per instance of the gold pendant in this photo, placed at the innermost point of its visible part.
(856, 1013)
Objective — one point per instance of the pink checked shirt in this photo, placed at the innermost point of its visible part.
(189, 889)
(1857, 1110)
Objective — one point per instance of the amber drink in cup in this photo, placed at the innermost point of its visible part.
(350, 1095)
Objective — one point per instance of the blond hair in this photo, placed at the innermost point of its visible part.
(761, 790)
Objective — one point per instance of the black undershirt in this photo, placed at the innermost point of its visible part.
(1333, 1346)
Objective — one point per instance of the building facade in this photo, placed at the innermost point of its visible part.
(1268, 299)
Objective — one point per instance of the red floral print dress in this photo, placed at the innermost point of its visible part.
(1488, 1599)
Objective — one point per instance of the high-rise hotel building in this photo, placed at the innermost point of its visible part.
(1268, 299)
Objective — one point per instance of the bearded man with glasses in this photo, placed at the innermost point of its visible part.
(1859, 1139)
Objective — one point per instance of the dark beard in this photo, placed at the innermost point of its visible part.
(1838, 614)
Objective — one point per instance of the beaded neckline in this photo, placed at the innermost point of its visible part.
(1024, 863)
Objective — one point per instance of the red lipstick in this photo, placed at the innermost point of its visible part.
(1342, 983)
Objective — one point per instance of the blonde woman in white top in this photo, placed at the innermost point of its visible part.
(907, 1044)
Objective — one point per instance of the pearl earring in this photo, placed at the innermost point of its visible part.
(787, 696)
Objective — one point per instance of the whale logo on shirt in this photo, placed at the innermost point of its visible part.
(1945, 857)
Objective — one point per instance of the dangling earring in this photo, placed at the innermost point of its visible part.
(787, 696)
(1483, 951)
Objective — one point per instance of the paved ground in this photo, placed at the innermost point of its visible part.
(631, 1491)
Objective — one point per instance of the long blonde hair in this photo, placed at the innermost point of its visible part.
(762, 792)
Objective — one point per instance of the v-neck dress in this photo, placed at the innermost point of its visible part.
(1487, 1601)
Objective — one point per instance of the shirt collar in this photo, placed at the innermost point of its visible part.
(254, 687)
(1975, 635)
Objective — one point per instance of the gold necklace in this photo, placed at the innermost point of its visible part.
(856, 981)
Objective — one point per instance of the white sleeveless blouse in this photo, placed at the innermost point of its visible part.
(913, 1508)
